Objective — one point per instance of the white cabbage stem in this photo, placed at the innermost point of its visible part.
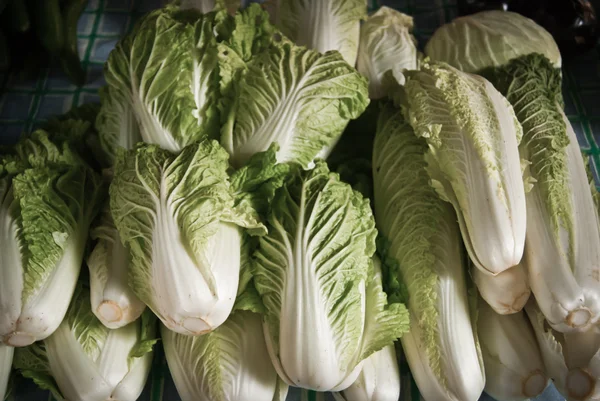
(379, 379)
(506, 292)
(514, 367)
(572, 359)
(113, 301)
(194, 296)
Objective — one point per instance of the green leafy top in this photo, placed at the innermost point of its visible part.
(240, 38)
(303, 108)
(171, 79)
(193, 187)
(490, 39)
(473, 158)
(417, 225)
(321, 240)
(148, 336)
(89, 332)
(116, 124)
(152, 71)
(255, 183)
(533, 86)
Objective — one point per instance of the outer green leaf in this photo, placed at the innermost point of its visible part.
(533, 86)
(87, 329)
(116, 123)
(422, 236)
(322, 25)
(490, 39)
(473, 159)
(148, 337)
(178, 217)
(314, 274)
(303, 110)
(240, 38)
(231, 363)
(52, 211)
(255, 183)
(77, 127)
(590, 176)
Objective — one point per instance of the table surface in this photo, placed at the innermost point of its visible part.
(26, 104)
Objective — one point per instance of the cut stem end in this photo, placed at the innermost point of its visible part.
(580, 384)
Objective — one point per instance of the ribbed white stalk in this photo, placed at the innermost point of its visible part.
(514, 368)
(506, 292)
(186, 300)
(6, 357)
(564, 270)
(379, 379)
(572, 359)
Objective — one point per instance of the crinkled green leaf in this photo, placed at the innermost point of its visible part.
(412, 218)
(384, 322)
(473, 158)
(311, 270)
(148, 336)
(116, 124)
(393, 285)
(90, 333)
(255, 183)
(588, 170)
(533, 86)
(240, 39)
(161, 69)
(56, 205)
(43, 149)
(419, 241)
(295, 97)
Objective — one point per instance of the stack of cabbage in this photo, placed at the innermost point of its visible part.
(202, 186)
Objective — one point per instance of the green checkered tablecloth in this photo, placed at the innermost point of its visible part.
(24, 105)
